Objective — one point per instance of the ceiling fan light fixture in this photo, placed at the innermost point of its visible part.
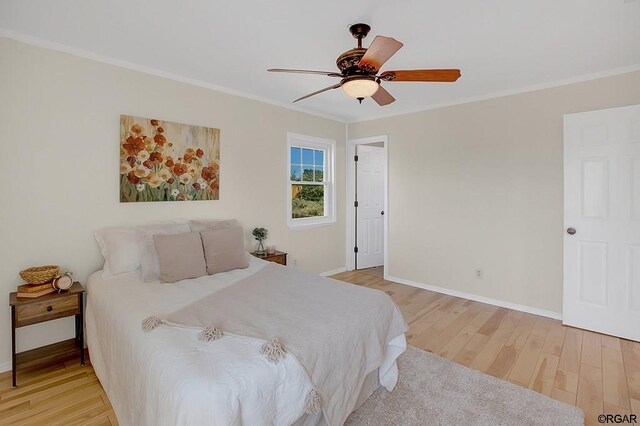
(360, 88)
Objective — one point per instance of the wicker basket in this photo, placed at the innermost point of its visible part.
(40, 274)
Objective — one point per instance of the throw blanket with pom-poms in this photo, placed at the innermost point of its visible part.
(337, 331)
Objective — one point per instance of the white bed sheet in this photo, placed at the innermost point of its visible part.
(169, 377)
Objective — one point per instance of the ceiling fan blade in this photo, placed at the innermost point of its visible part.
(382, 97)
(335, 86)
(327, 73)
(381, 49)
(444, 75)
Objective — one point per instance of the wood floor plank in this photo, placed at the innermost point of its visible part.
(590, 397)
(631, 357)
(470, 351)
(504, 362)
(485, 358)
(568, 371)
(455, 345)
(525, 365)
(555, 339)
(437, 337)
(591, 349)
(520, 334)
(492, 323)
(563, 396)
(544, 374)
(610, 342)
(14, 409)
(614, 379)
(58, 415)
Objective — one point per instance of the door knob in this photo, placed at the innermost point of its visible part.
(382, 212)
(571, 231)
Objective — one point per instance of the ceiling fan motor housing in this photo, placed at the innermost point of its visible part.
(349, 60)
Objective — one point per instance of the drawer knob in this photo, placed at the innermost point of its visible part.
(49, 308)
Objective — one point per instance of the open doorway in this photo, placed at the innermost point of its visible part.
(367, 213)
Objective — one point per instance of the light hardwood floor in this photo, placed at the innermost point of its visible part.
(600, 374)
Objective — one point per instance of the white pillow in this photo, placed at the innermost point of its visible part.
(212, 225)
(149, 255)
(120, 248)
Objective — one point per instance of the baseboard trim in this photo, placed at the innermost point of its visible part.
(334, 271)
(477, 298)
(5, 366)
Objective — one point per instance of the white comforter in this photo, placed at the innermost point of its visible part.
(169, 377)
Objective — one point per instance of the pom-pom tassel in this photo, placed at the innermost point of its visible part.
(209, 334)
(313, 402)
(273, 350)
(150, 323)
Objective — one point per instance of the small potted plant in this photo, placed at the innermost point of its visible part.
(260, 234)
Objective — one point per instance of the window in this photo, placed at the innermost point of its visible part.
(310, 187)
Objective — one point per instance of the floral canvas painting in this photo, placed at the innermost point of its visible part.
(165, 161)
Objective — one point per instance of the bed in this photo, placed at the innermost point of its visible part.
(170, 377)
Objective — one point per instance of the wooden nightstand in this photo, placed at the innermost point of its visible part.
(25, 311)
(278, 257)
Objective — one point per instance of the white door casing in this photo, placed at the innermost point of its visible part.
(602, 204)
(370, 210)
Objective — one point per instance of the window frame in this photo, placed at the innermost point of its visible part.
(329, 148)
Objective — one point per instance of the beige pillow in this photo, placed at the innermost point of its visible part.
(180, 256)
(224, 250)
(149, 255)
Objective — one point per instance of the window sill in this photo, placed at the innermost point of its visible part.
(310, 223)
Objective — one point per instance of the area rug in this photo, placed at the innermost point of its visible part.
(435, 391)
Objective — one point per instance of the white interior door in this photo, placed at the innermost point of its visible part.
(370, 210)
(602, 221)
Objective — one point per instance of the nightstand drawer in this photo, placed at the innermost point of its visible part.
(281, 259)
(32, 313)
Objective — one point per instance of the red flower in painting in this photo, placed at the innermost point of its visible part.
(133, 145)
(156, 157)
(179, 169)
(160, 129)
(169, 162)
(199, 153)
(148, 164)
(136, 129)
(196, 186)
(208, 173)
(187, 157)
(132, 178)
(213, 184)
(160, 139)
(154, 122)
(170, 181)
(132, 160)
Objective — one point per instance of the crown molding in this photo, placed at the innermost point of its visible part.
(501, 94)
(47, 44)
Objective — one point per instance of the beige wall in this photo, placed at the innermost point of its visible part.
(59, 133)
(480, 185)
(471, 186)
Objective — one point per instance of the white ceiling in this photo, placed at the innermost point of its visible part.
(499, 45)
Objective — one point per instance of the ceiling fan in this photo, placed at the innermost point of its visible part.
(359, 67)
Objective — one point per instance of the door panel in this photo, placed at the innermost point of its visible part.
(370, 196)
(592, 272)
(602, 203)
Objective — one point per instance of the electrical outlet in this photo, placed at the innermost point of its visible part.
(479, 274)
